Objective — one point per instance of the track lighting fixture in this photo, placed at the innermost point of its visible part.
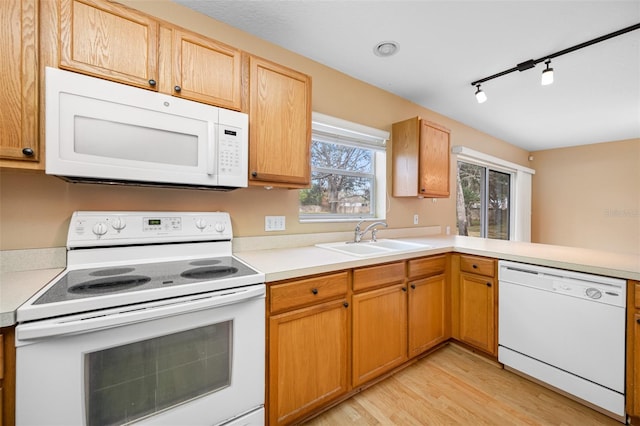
(480, 95)
(547, 74)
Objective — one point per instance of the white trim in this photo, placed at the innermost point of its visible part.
(489, 160)
(339, 127)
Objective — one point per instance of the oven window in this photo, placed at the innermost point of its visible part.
(139, 379)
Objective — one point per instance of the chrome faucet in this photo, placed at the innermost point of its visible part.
(359, 234)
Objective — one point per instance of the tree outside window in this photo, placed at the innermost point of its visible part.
(342, 181)
(483, 201)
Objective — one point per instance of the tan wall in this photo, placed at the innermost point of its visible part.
(588, 196)
(35, 208)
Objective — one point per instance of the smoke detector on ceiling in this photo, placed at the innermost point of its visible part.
(386, 48)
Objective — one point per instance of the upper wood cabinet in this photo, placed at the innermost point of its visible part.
(279, 125)
(109, 40)
(205, 70)
(420, 157)
(19, 145)
(115, 42)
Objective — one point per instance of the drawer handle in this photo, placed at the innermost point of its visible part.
(345, 304)
(474, 266)
(314, 290)
(488, 284)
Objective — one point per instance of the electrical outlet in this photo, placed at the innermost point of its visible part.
(274, 223)
(415, 219)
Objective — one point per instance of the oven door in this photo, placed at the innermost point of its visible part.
(195, 360)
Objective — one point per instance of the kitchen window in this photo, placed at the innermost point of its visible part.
(493, 197)
(348, 169)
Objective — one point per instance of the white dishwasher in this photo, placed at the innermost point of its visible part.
(566, 329)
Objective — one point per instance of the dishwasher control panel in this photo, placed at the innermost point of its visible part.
(597, 288)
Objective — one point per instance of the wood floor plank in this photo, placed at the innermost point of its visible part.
(455, 387)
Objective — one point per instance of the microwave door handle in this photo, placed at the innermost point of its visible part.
(211, 150)
(152, 310)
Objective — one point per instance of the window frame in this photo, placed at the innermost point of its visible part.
(519, 191)
(329, 129)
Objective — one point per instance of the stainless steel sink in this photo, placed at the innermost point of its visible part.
(370, 248)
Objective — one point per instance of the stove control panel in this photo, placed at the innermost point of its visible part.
(90, 229)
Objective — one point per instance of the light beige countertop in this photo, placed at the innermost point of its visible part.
(285, 263)
(18, 283)
(17, 287)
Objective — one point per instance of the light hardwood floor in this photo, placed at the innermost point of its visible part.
(455, 387)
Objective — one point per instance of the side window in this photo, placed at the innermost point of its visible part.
(483, 203)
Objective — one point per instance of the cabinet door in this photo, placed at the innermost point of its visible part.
(308, 360)
(19, 83)
(636, 366)
(428, 314)
(108, 40)
(206, 71)
(379, 332)
(434, 160)
(477, 312)
(279, 125)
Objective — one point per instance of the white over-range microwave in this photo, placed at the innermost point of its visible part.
(104, 132)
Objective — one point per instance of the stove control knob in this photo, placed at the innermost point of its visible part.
(118, 224)
(201, 224)
(220, 227)
(100, 229)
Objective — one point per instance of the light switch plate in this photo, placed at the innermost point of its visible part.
(274, 223)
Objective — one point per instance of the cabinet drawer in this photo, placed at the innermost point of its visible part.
(426, 266)
(477, 265)
(309, 291)
(377, 276)
(637, 293)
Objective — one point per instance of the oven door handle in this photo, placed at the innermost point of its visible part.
(93, 321)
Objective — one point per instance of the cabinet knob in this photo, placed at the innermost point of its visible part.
(345, 304)
(638, 320)
(488, 284)
(404, 289)
(423, 190)
(27, 151)
(314, 290)
(474, 266)
(413, 286)
(177, 89)
(254, 174)
(152, 83)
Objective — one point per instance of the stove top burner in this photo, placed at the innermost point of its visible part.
(209, 272)
(82, 283)
(109, 284)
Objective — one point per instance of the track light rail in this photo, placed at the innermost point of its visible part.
(533, 62)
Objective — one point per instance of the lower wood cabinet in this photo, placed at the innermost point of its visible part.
(7, 376)
(429, 301)
(379, 332)
(308, 347)
(474, 305)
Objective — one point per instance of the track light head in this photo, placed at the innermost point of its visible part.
(547, 74)
(480, 95)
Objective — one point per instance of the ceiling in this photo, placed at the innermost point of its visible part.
(446, 45)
